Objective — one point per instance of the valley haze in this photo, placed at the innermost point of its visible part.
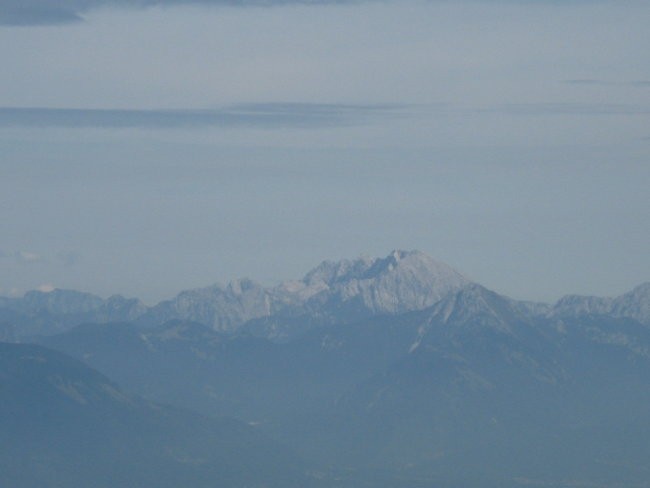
(507, 138)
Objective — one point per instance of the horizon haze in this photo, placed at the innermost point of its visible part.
(508, 139)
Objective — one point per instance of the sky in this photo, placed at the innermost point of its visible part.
(152, 146)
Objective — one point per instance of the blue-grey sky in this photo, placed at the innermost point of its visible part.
(177, 144)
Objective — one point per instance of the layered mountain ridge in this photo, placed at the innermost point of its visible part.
(634, 304)
(397, 372)
(332, 292)
(475, 390)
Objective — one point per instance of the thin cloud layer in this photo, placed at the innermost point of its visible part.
(27, 257)
(48, 12)
(482, 142)
(263, 115)
(569, 109)
(596, 82)
(285, 115)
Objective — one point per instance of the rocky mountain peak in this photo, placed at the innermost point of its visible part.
(60, 301)
(582, 305)
(331, 272)
(634, 304)
(243, 285)
(475, 303)
(403, 281)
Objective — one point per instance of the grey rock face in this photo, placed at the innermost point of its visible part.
(401, 282)
(59, 302)
(481, 307)
(634, 305)
(352, 289)
(45, 313)
(576, 305)
(223, 308)
(119, 309)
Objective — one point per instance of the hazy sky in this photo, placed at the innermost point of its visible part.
(148, 150)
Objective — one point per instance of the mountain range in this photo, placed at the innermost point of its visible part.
(392, 372)
(333, 292)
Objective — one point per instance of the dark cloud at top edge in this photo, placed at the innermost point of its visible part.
(43, 12)
(37, 16)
